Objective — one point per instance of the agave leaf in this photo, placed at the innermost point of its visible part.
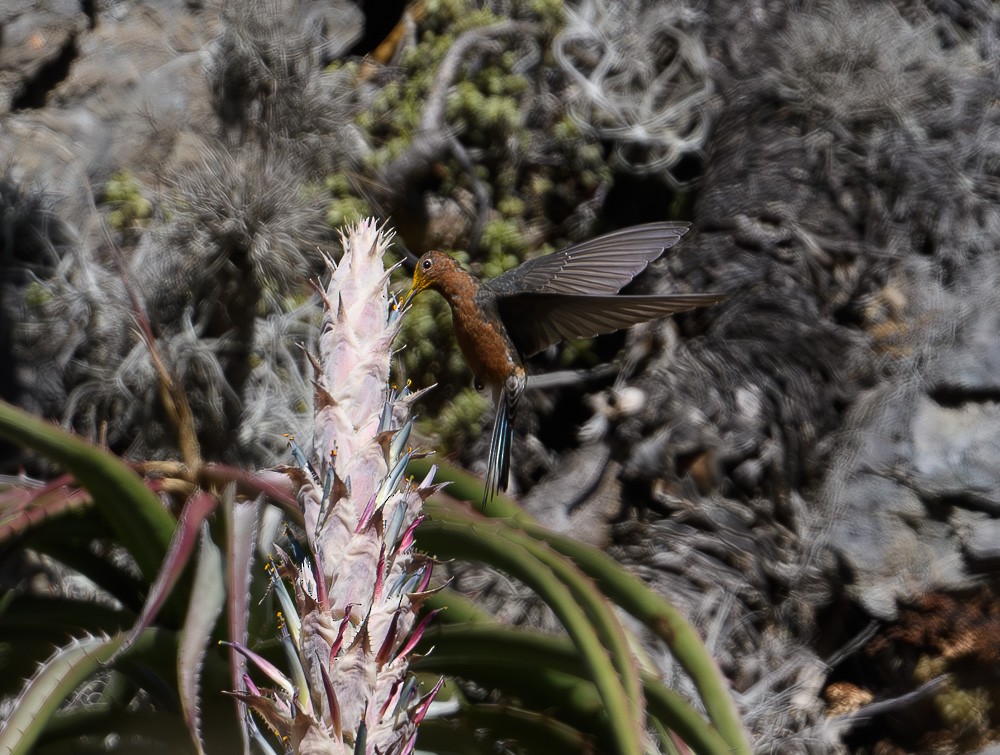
(563, 588)
(23, 509)
(208, 594)
(195, 512)
(131, 510)
(242, 520)
(545, 672)
(55, 679)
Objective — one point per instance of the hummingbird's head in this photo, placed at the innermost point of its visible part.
(438, 271)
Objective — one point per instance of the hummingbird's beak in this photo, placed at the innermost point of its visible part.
(420, 282)
(410, 294)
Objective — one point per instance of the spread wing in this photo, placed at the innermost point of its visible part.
(600, 266)
(536, 321)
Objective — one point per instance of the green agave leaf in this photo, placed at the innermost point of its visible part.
(241, 532)
(196, 511)
(208, 594)
(545, 672)
(69, 667)
(564, 589)
(132, 511)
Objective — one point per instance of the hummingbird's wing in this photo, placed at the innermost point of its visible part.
(536, 321)
(599, 266)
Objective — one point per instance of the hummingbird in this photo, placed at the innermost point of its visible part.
(572, 293)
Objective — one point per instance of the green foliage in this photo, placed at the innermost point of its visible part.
(129, 208)
(344, 207)
(37, 295)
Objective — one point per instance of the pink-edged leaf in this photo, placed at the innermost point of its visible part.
(208, 595)
(379, 576)
(389, 698)
(335, 647)
(322, 597)
(24, 508)
(276, 713)
(426, 579)
(241, 536)
(332, 702)
(251, 687)
(366, 515)
(269, 669)
(385, 652)
(418, 633)
(411, 742)
(195, 511)
(407, 540)
(426, 703)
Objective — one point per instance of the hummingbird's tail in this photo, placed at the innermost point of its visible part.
(498, 467)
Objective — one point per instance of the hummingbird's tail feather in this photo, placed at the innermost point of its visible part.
(498, 467)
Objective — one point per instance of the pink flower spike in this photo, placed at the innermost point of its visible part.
(407, 540)
(264, 665)
(418, 633)
(422, 710)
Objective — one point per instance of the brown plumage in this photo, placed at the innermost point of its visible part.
(569, 294)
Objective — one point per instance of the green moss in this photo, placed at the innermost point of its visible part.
(511, 207)
(505, 245)
(128, 207)
(345, 206)
(964, 711)
(340, 212)
(36, 295)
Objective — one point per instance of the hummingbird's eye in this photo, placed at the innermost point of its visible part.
(426, 265)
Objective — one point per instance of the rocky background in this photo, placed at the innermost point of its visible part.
(808, 470)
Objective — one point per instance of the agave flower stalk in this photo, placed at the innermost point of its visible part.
(347, 622)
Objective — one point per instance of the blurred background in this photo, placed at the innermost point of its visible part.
(809, 470)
